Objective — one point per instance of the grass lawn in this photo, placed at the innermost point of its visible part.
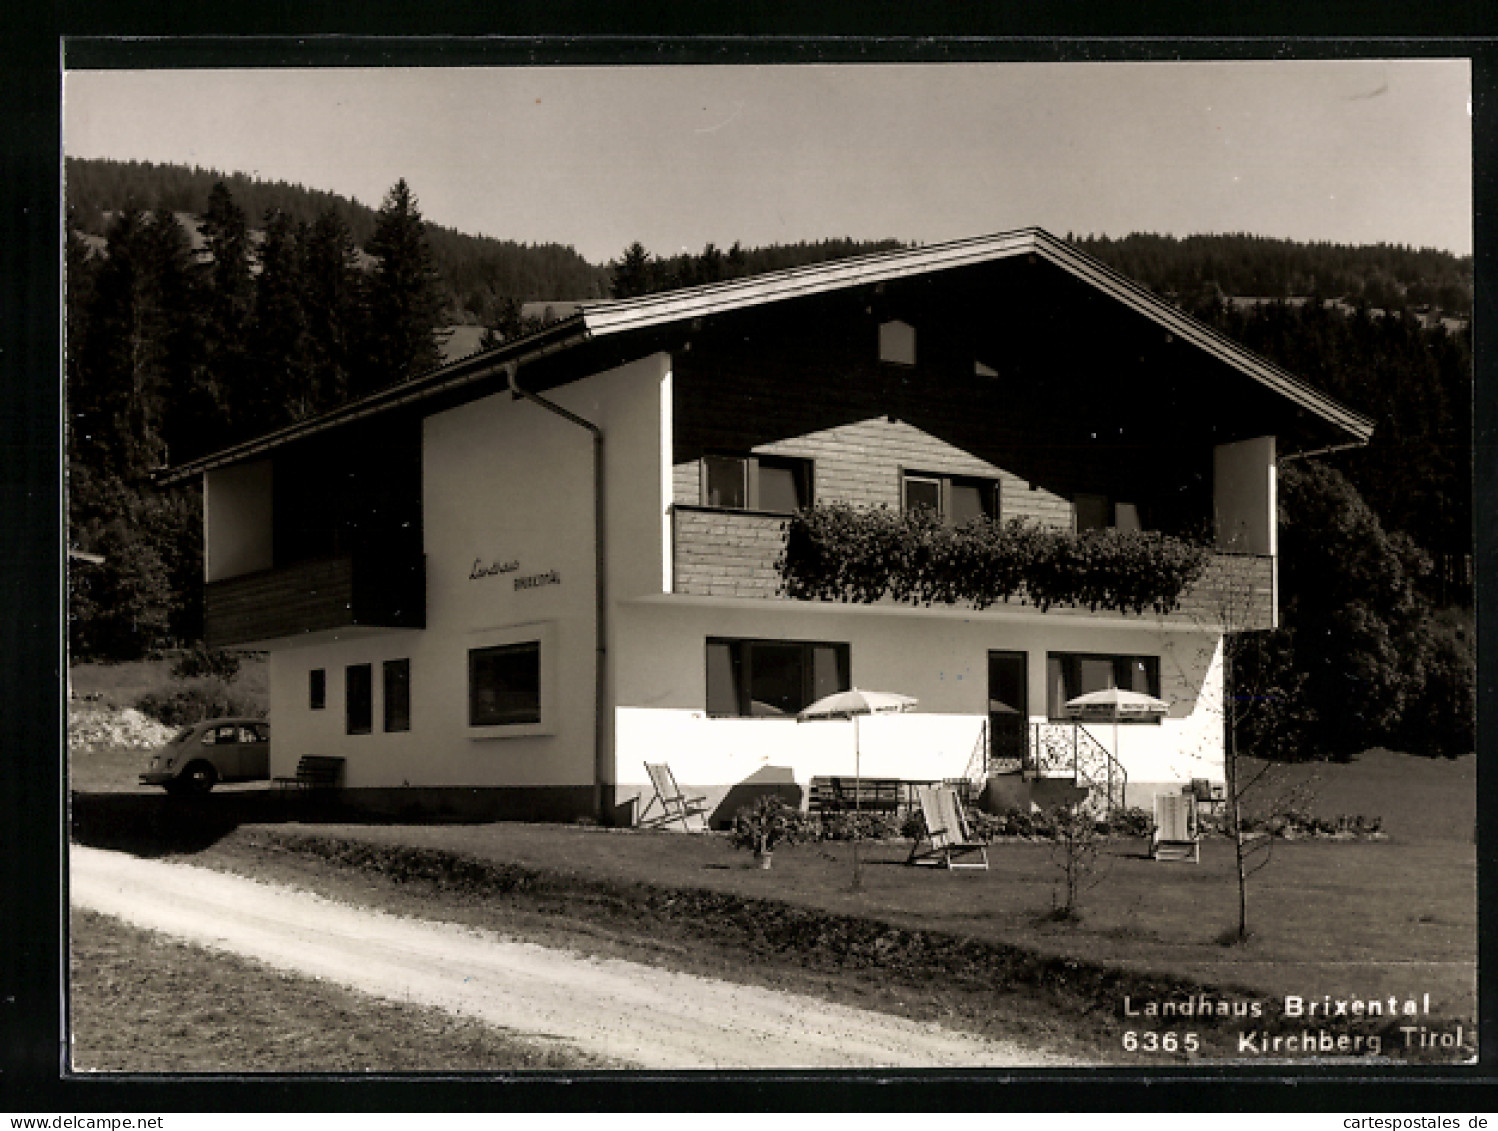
(977, 950)
(145, 1003)
(121, 685)
(972, 949)
(1419, 800)
(108, 769)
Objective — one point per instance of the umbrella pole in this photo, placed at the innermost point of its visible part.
(857, 805)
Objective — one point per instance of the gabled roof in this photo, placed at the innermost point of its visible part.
(609, 318)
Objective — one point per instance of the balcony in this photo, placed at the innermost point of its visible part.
(364, 590)
(729, 553)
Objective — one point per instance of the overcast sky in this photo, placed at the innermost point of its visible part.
(1351, 152)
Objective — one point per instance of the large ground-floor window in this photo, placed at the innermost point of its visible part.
(772, 678)
(1069, 674)
(504, 684)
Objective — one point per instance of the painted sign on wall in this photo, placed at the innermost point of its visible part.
(481, 569)
(536, 580)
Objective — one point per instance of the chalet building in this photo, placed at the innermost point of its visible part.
(501, 588)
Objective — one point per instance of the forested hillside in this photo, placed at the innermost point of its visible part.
(479, 277)
(202, 310)
(1198, 269)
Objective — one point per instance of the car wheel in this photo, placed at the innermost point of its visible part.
(197, 778)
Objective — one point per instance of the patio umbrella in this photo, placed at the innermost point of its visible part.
(1115, 703)
(851, 704)
(1112, 704)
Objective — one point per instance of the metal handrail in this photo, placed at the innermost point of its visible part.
(1089, 763)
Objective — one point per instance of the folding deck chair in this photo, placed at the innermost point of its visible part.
(690, 811)
(1176, 836)
(946, 831)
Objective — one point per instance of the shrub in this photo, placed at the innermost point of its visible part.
(913, 827)
(209, 699)
(1075, 853)
(986, 827)
(1440, 716)
(765, 823)
(850, 825)
(1295, 823)
(840, 553)
(204, 661)
(1130, 822)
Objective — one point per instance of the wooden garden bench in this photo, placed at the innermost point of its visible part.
(841, 795)
(314, 771)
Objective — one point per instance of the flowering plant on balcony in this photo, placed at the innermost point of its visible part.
(837, 552)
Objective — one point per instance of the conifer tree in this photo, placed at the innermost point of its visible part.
(405, 307)
(80, 268)
(333, 291)
(279, 330)
(116, 404)
(189, 412)
(632, 274)
(710, 265)
(228, 308)
(735, 264)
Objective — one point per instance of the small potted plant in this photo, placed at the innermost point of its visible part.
(762, 825)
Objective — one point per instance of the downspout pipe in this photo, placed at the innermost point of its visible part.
(602, 756)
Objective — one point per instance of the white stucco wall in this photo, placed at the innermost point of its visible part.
(507, 494)
(938, 656)
(237, 520)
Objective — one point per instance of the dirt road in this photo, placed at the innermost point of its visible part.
(622, 1010)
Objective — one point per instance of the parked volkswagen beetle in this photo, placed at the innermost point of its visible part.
(209, 752)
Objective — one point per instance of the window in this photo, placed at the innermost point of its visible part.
(957, 499)
(756, 483)
(317, 689)
(397, 695)
(1069, 674)
(897, 342)
(1098, 512)
(504, 684)
(771, 678)
(1093, 512)
(359, 698)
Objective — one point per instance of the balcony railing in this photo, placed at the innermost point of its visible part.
(727, 553)
(372, 590)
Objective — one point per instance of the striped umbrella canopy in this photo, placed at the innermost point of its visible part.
(856, 701)
(1115, 703)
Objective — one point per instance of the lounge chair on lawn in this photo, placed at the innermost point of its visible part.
(690, 811)
(946, 831)
(1176, 836)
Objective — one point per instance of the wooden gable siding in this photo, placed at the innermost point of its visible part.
(815, 388)
(860, 464)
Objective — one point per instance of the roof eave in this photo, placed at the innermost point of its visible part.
(549, 340)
